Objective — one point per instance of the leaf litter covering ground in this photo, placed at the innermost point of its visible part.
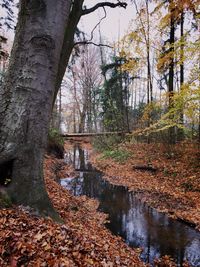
(145, 158)
(174, 188)
(83, 240)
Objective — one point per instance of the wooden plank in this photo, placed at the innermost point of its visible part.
(91, 134)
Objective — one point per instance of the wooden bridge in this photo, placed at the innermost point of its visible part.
(71, 135)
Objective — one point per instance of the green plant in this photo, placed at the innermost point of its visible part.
(174, 174)
(55, 136)
(5, 201)
(55, 143)
(166, 172)
(107, 142)
(119, 155)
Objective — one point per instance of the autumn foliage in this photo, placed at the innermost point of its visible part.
(82, 240)
(174, 185)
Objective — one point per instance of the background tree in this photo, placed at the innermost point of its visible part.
(115, 96)
(173, 56)
(169, 47)
(83, 77)
(144, 19)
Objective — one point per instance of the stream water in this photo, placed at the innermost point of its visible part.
(138, 224)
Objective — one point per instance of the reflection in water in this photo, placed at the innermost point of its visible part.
(138, 224)
(79, 158)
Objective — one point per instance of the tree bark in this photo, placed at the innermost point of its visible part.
(68, 42)
(27, 98)
(42, 46)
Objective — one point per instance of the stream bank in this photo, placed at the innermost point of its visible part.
(82, 240)
(174, 188)
(137, 223)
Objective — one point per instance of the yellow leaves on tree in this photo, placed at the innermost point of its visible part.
(185, 102)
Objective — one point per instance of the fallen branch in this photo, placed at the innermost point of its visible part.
(145, 168)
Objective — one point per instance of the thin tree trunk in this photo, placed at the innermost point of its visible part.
(171, 70)
(180, 131)
(75, 101)
(149, 78)
(82, 121)
(94, 110)
(182, 50)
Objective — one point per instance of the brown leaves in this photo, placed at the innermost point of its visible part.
(165, 261)
(28, 240)
(174, 188)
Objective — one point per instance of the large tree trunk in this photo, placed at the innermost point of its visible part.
(26, 99)
(68, 42)
(41, 50)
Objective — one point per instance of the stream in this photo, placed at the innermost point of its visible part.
(137, 223)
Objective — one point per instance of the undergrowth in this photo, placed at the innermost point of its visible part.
(106, 142)
(119, 155)
(110, 147)
(55, 143)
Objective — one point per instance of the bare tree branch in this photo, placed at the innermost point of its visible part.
(89, 42)
(103, 4)
(92, 33)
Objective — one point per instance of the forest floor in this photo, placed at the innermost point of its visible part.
(82, 240)
(172, 187)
